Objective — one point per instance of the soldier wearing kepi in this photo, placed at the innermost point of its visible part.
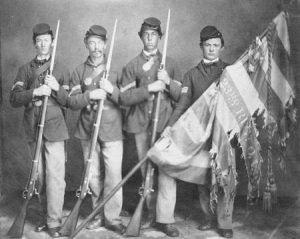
(195, 82)
(31, 85)
(106, 166)
(141, 79)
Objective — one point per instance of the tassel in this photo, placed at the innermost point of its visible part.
(273, 189)
(267, 204)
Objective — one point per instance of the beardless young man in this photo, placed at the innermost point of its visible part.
(195, 82)
(141, 79)
(31, 84)
(106, 166)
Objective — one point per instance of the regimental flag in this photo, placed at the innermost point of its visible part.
(181, 154)
(206, 129)
(229, 111)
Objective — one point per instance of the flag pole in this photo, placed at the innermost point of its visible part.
(244, 57)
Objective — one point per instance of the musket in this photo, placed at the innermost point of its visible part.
(97, 209)
(137, 166)
(71, 222)
(17, 228)
(134, 226)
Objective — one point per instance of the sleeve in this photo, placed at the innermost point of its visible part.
(77, 99)
(114, 97)
(129, 93)
(175, 83)
(61, 96)
(19, 94)
(185, 100)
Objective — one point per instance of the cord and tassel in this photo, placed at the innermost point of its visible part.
(270, 193)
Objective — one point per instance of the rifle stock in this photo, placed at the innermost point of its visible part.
(135, 223)
(71, 222)
(17, 228)
(136, 219)
(134, 226)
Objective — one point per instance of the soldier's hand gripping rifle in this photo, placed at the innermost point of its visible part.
(71, 222)
(17, 228)
(134, 226)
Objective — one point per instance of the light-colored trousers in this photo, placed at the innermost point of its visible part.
(166, 190)
(106, 173)
(52, 171)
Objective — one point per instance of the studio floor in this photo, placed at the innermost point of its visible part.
(248, 223)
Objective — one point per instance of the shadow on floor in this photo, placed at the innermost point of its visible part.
(282, 222)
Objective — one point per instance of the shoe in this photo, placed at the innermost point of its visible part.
(168, 229)
(95, 224)
(205, 226)
(54, 232)
(119, 228)
(227, 233)
(41, 227)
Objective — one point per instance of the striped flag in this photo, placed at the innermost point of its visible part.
(181, 154)
(199, 143)
(207, 128)
(267, 62)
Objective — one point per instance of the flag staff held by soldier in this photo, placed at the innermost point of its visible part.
(93, 85)
(42, 88)
(142, 78)
(195, 82)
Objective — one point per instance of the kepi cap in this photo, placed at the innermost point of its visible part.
(151, 23)
(96, 30)
(41, 29)
(210, 32)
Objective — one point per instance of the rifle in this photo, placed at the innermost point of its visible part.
(17, 228)
(134, 226)
(148, 179)
(71, 222)
(108, 197)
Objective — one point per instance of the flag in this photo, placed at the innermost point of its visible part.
(268, 64)
(206, 129)
(181, 154)
(199, 144)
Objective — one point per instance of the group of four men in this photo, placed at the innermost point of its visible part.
(134, 90)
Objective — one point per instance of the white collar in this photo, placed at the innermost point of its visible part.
(43, 58)
(147, 53)
(206, 61)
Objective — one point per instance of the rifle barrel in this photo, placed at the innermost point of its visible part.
(109, 57)
(54, 48)
(164, 54)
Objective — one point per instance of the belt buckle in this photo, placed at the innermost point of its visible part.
(37, 103)
(151, 97)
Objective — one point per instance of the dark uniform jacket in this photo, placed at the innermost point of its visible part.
(134, 93)
(195, 82)
(111, 120)
(55, 128)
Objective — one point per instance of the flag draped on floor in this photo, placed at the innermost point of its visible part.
(199, 147)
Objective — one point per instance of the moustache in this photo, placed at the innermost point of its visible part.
(98, 52)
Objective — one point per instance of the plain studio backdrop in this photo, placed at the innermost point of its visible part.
(240, 21)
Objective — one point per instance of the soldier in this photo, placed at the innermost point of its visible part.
(142, 78)
(195, 82)
(86, 90)
(31, 84)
